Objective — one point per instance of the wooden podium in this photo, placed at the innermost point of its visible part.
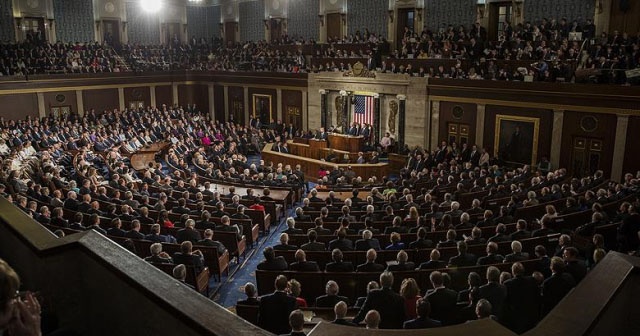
(347, 143)
(140, 159)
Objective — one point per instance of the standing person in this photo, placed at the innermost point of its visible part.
(274, 308)
(389, 304)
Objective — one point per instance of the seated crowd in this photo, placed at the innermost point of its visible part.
(544, 50)
(392, 233)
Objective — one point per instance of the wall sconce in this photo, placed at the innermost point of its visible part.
(321, 19)
(391, 15)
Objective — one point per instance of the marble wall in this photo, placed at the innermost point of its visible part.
(74, 20)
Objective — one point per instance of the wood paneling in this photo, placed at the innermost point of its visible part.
(66, 98)
(19, 106)
(235, 94)
(268, 92)
(218, 94)
(137, 94)
(631, 161)
(546, 123)
(625, 21)
(468, 117)
(292, 101)
(164, 95)
(605, 131)
(194, 94)
(100, 100)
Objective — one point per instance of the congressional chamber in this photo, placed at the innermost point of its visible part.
(319, 167)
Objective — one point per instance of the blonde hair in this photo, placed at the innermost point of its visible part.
(409, 288)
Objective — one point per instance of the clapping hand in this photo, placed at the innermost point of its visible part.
(26, 317)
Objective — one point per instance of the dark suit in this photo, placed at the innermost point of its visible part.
(389, 304)
(555, 288)
(341, 244)
(274, 310)
(370, 267)
(495, 294)
(188, 234)
(577, 269)
(408, 266)
(342, 266)
(313, 246)
(421, 244)
(366, 244)
(443, 305)
(513, 257)
(432, 264)
(212, 243)
(277, 264)
(421, 323)
(188, 259)
(521, 304)
(465, 260)
(304, 266)
(328, 301)
(490, 259)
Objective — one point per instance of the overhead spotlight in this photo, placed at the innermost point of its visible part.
(151, 6)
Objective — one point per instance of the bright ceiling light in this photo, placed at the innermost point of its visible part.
(151, 6)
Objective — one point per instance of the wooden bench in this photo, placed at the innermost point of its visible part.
(199, 281)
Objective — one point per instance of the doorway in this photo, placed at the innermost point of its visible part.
(230, 32)
(586, 156)
(334, 26)
(499, 13)
(404, 25)
(293, 116)
(275, 27)
(33, 29)
(458, 133)
(111, 32)
(173, 34)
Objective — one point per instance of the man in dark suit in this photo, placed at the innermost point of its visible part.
(521, 231)
(296, 322)
(188, 257)
(521, 305)
(341, 243)
(302, 265)
(337, 265)
(274, 309)
(340, 311)
(313, 245)
(443, 300)
(574, 266)
(250, 291)
(367, 242)
(517, 254)
(370, 265)
(403, 263)
(208, 241)
(423, 309)
(434, 261)
(463, 259)
(493, 291)
(271, 262)
(331, 298)
(389, 304)
(157, 255)
(556, 286)
(189, 233)
(492, 256)
(421, 242)
(134, 233)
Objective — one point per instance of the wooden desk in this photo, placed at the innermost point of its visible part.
(310, 167)
(345, 143)
(140, 160)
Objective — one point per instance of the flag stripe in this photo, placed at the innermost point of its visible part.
(363, 109)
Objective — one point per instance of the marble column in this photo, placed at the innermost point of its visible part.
(174, 94)
(619, 147)
(402, 106)
(80, 103)
(305, 110)
(246, 104)
(556, 138)
(435, 122)
(324, 121)
(226, 103)
(279, 115)
(152, 95)
(480, 112)
(41, 108)
(212, 101)
(376, 118)
(121, 99)
(345, 111)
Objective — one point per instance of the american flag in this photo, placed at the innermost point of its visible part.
(363, 109)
